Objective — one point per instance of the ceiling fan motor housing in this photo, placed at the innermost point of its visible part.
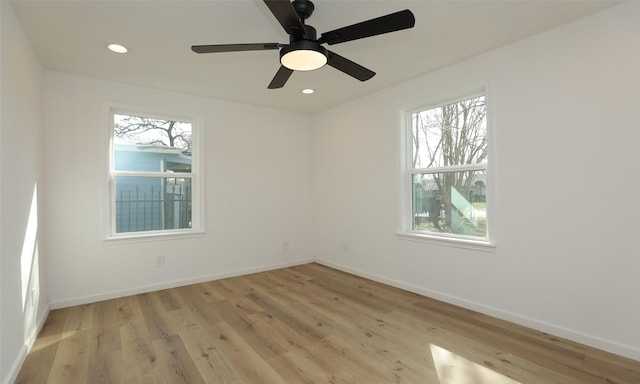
(309, 33)
(304, 8)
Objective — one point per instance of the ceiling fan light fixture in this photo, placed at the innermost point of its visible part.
(303, 56)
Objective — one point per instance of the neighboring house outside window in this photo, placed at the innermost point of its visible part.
(445, 184)
(152, 176)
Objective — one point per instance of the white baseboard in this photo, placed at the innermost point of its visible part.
(12, 375)
(171, 284)
(14, 370)
(579, 337)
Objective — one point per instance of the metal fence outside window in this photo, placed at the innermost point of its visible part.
(148, 207)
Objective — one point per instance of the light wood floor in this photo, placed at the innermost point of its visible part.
(305, 324)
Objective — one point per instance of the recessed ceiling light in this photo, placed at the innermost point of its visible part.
(307, 91)
(117, 48)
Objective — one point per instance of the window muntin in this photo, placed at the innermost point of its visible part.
(447, 170)
(152, 175)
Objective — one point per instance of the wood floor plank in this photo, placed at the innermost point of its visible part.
(249, 330)
(154, 314)
(170, 299)
(373, 355)
(304, 324)
(295, 367)
(105, 363)
(235, 291)
(246, 361)
(210, 293)
(203, 349)
(138, 353)
(80, 318)
(308, 327)
(205, 311)
(129, 309)
(175, 363)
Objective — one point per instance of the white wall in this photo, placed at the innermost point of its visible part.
(23, 289)
(257, 194)
(566, 182)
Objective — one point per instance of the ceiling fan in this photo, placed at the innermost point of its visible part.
(305, 51)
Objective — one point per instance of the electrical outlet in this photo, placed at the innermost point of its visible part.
(159, 261)
(33, 297)
(285, 245)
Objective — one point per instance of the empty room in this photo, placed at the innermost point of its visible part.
(360, 191)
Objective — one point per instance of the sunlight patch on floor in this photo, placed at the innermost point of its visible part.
(46, 341)
(455, 369)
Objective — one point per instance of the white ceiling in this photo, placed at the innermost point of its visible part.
(71, 37)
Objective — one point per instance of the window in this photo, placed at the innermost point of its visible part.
(153, 175)
(446, 171)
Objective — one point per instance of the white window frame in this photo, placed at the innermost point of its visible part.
(405, 202)
(196, 175)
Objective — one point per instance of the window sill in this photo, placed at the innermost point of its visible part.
(154, 236)
(478, 245)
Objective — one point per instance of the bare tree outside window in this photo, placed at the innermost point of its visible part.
(146, 130)
(449, 163)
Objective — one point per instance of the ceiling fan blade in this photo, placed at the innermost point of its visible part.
(383, 24)
(234, 47)
(280, 78)
(349, 67)
(286, 14)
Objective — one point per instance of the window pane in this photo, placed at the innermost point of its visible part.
(452, 134)
(450, 202)
(151, 145)
(152, 203)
